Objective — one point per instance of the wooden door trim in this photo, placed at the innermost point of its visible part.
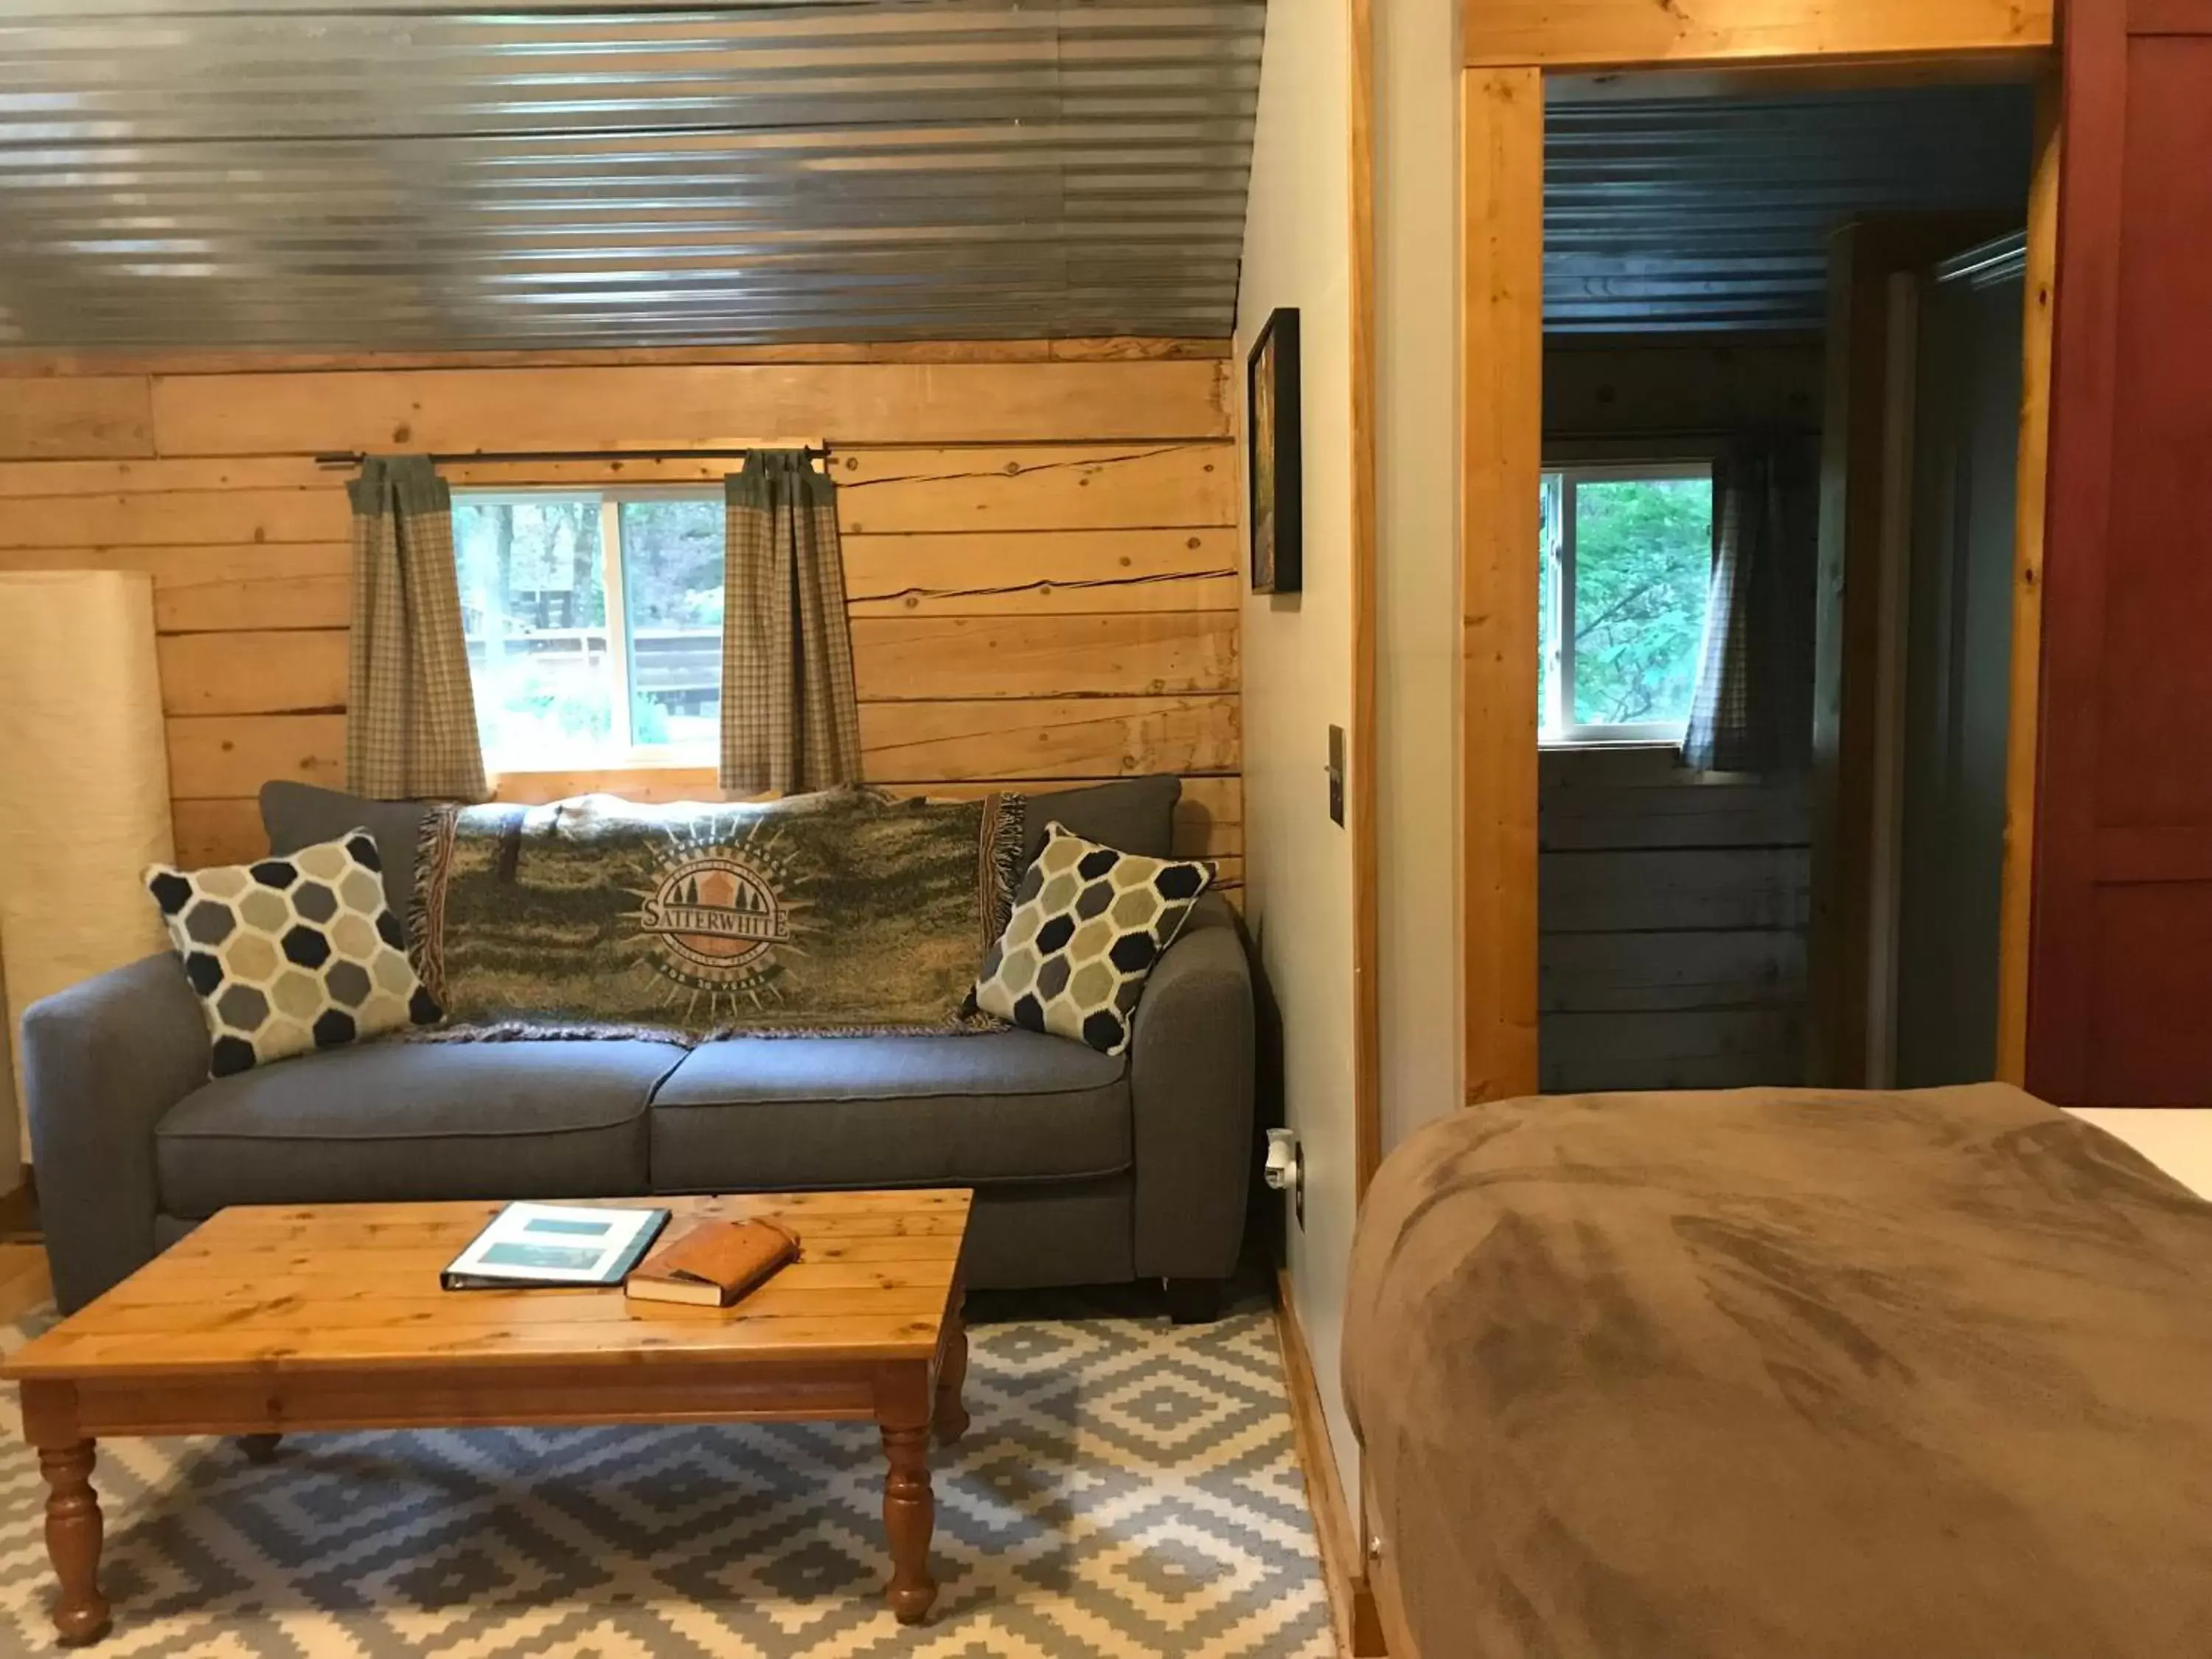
(2030, 503)
(1501, 433)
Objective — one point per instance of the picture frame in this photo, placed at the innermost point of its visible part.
(1271, 455)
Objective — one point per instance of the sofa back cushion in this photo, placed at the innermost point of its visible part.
(297, 815)
(1132, 815)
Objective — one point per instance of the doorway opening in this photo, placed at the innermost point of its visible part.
(1782, 383)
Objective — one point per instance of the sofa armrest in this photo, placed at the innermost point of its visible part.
(1190, 1085)
(102, 1062)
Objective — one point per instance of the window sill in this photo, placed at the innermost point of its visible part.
(655, 780)
(1671, 745)
(631, 764)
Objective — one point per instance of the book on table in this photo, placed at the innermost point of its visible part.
(548, 1246)
(714, 1263)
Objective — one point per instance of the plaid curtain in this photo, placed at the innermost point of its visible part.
(1753, 708)
(790, 717)
(410, 712)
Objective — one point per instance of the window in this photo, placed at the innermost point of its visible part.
(594, 624)
(1628, 558)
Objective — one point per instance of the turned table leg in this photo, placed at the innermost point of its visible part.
(951, 1418)
(909, 1515)
(73, 1530)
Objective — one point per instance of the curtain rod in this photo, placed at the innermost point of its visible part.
(338, 458)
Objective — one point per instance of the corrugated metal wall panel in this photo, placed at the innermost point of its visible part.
(392, 175)
(1714, 213)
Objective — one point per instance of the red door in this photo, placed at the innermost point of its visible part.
(2120, 971)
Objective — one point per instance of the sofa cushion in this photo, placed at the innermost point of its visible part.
(399, 1120)
(760, 1113)
(1132, 815)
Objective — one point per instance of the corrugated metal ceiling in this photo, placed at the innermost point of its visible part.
(406, 173)
(1714, 213)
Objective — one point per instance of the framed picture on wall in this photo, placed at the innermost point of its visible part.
(1271, 440)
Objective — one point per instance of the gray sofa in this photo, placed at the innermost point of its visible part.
(1087, 1169)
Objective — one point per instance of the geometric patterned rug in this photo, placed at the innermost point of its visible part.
(1128, 1488)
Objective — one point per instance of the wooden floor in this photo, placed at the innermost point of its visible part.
(23, 1280)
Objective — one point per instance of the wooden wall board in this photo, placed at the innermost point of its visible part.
(270, 672)
(905, 489)
(1714, 1049)
(21, 362)
(1025, 573)
(1628, 33)
(216, 757)
(1594, 818)
(231, 755)
(162, 477)
(1087, 487)
(217, 832)
(1029, 573)
(93, 416)
(216, 518)
(1049, 737)
(1688, 972)
(906, 659)
(895, 659)
(696, 407)
(1502, 129)
(1673, 889)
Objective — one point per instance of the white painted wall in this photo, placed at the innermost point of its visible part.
(1416, 211)
(1298, 653)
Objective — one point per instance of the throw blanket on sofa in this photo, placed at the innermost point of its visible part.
(845, 912)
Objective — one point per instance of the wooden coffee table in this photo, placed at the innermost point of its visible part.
(270, 1320)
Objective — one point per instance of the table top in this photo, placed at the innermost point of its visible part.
(354, 1287)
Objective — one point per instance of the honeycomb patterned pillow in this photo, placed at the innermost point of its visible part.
(292, 953)
(1088, 925)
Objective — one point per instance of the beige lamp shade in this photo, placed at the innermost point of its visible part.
(85, 771)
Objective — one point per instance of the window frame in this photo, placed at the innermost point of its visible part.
(1554, 729)
(614, 579)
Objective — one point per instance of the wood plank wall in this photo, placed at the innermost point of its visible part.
(1041, 544)
(1672, 907)
(1672, 949)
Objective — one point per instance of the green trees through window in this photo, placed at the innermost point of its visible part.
(594, 624)
(1628, 561)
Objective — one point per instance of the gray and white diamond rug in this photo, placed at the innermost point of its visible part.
(1128, 1488)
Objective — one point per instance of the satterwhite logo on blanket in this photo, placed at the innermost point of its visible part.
(717, 911)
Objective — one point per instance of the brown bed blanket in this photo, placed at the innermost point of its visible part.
(1782, 1374)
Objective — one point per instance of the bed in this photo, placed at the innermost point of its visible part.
(1783, 1374)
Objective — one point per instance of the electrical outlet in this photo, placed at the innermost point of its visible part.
(1286, 1169)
